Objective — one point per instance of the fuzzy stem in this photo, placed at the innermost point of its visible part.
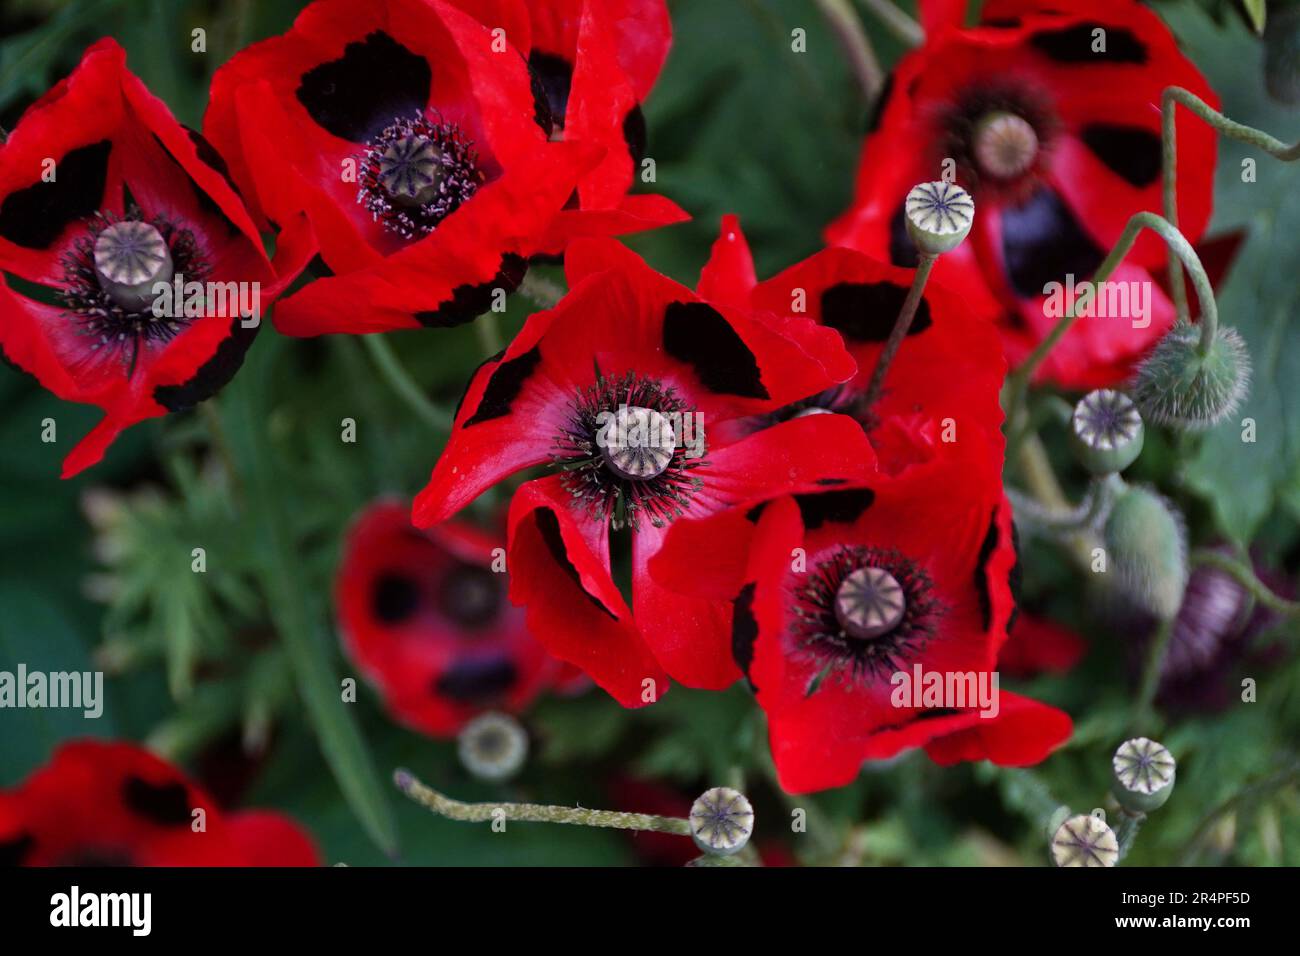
(488, 330)
(1143, 703)
(1075, 519)
(896, 21)
(403, 385)
(533, 812)
(899, 332)
(856, 45)
(1019, 379)
(1174, 95)
(1127, 831)
(1036, 468)
(1246, 577)
(544, 293)
(1242, 798)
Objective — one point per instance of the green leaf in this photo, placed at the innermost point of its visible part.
(1244, 481)
(1256, 10)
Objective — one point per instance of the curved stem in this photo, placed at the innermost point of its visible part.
(1243, 797)
(856, 45)
(897, 22)
(444, 806)
(899, 331)
(402, 383)
(1143, 703)
(1246, 577)
(1019, 379)
(1174, 95)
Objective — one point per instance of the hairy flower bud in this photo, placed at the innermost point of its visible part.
(1148, 547)
(1177, 385)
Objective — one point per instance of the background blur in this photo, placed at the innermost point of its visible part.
(737, 124)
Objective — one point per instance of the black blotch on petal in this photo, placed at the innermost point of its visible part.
(14, 850)
(842, 507)
(460, 402)
(35, 216)
(467, 302)
(1074, 45)
(548, 526)
(831, 481)
(209, 205)
(504, 386)
(1015, 579)
(375, 81)
(877, 110)
(394, 598)
(902, 250)
(744, 630)
(164, 804)
(699, 335)
(209, 156)
(552, 78)
(1130, 152)
(213, 374)
(866, 311)
(470, 681)
(634, 133)
(982, 588)
(1042, 242)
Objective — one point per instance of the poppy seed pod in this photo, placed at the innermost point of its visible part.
(1179, 386)
(1085, 840)
(1143, 775)
(939, 216)
(493, 746)
(1148, 547)
(1106, 431)
(722, 820)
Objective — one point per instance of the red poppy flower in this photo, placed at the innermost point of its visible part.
(102, 195)
(847, 587)
(399, 138)
(424, 615)
(621, 387)
(98, 803)
(1051, 119)
(593, 62)
(942, 386)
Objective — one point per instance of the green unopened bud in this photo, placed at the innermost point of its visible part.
(722, 820)
(1085, 840)
(939, 216)
(493, 746)
(1106, 431)
(1143, 775)
(1179, 386)
(1148, 549)
(1282, 54)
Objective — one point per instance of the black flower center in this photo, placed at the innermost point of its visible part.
(416, 173)
(109, 275)
(628, 451)
(470, 595)
(864, 611)
(998, 136)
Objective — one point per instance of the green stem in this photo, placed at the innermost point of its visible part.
(1174, 95)
(488, 330)
(1077, 519)
(1127, 831)
(1143, 703)
(856, 45)
(1019, 380)
(899, 332)
(1036, 467)
(897, 22)
(542, 292)
(444, 806)
(1246, 577)
(403, 385)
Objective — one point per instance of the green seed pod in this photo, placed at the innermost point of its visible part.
(939, 216)
(1147, 543)
(1282, 54)
(1085, 840)
(1143, 775)
(1106, 431)
(1178, 386)
(493, 746)
(722, 820)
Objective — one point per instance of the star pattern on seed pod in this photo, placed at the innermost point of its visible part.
(1085, 840)
(1143, 765)
(1106, 419)
(409, 164)
(493, 746)
(870, 602)
(722, 820)
(130, 252)
(641, 443)
(939, 215)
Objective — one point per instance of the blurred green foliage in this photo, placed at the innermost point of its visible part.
(738, 123)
